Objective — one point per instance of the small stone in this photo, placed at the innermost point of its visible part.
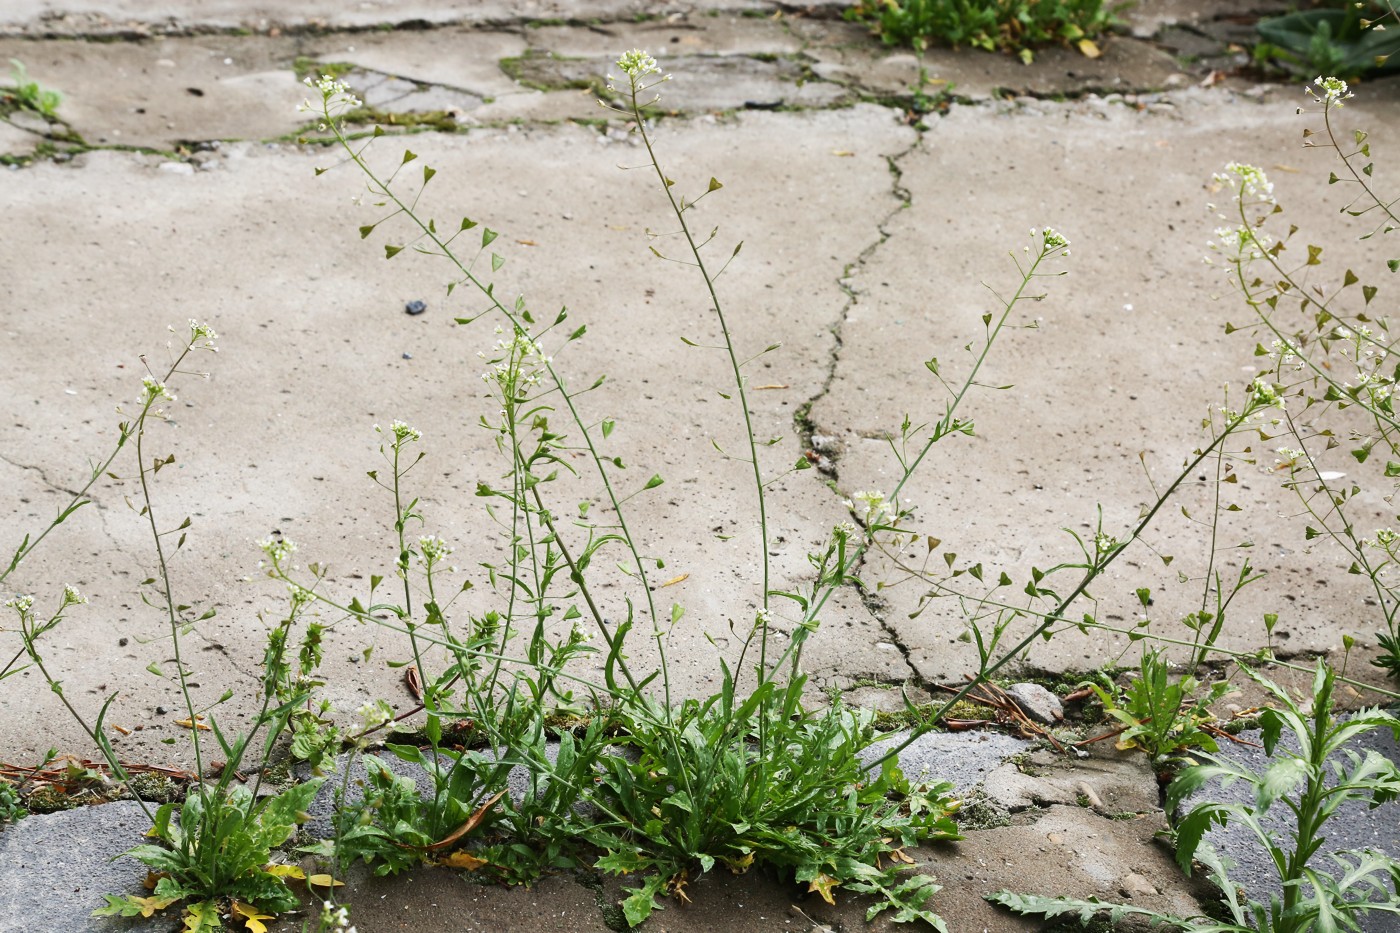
(408, 356)
(1135, 884)
(415, 307)
(1038, 703)
(177, 168)
(121, 642)
(161, 710)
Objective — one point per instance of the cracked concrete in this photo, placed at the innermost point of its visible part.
(868, 225)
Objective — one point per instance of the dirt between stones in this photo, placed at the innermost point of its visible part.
(171, 185)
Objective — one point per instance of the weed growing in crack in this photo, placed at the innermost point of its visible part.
(1016, 26)
(1311, 778)
(28, 94)
(1333, 357)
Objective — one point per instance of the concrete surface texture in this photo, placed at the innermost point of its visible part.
(171, 185)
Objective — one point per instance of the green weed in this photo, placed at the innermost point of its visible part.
(28, 94)
(1311, 782)
(1016, 26)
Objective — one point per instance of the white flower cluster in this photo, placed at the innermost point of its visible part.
(433, 549)
(1264, 393)
(1247, 181)
(1104, 543)
(637, 64)
(1331, 91)
(71, 596)
(877, 510)
(278, 549)
(1052, 239)
(155, 390)
(402, 431)
(335, 96)
(374, 713)
(20, 604)
(516, 364)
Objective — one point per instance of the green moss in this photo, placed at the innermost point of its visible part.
(307, 67)
(981, 812)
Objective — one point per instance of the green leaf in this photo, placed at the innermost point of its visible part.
(497, 261)
(467, 224)
(714, 185)
(366, 230)
(608, 425)
(428, 174)
(655, 481)
(408, 156)
(1282, 776)
(391, 251)
(487, 235)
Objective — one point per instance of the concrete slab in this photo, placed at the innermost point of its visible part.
(162, 91)
(545, 207)
(866, 240)
(1132, 309)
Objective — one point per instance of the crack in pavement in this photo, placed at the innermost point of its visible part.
(825, 443)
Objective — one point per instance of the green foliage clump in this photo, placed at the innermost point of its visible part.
(1312, 777)
(1344, 42)
(1017, 26)
(28, 94)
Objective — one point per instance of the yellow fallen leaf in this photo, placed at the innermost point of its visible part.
(1088, 47)
(775, 385)
(196, 723)
(285, 871)
(252, 917)
(823, 884)
(464, 860)
(324, 881)
(527, 242)
(674, 580)
(1287, 168)
(149, 905)
(843, 153)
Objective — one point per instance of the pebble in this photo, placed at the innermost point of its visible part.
(1038, 703)
(1134, 884)
(177, 168)
(415, 307)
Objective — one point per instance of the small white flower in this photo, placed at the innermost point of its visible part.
(1332, 91)
(637, 64)
(1248, 180)
(71, 596)
(155, 390)
(403, 431)
(278, 549)
(20, 604)
(374, 713)
(433, 549)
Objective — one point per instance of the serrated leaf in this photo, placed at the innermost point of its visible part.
(1281, 777)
